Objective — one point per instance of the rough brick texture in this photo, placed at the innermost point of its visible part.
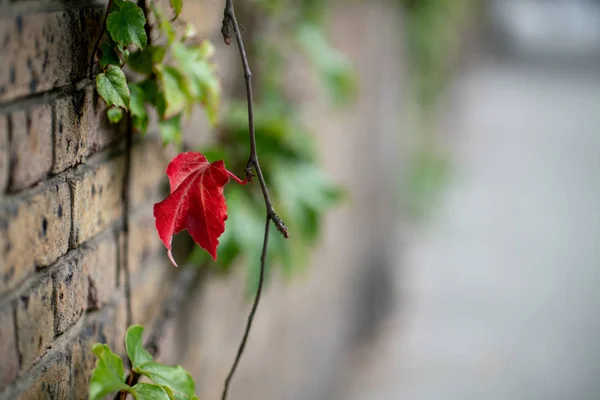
(4, 153)
(43, 51)
(35, 322)
(9, 367)
(34, 231)
(97, 198)
(31, 146)
(70, 293)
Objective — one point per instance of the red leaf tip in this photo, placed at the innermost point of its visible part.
(170, 254)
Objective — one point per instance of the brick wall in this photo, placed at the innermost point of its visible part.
(62, 244)
(62, 171)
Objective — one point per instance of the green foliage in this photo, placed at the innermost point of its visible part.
(126, 25)
(112, 86)
(109, 374)
(302, 193)
(169, 78)
(168, 382)
(334, 69)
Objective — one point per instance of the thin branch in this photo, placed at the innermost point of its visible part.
(263, 259)
(97, 44)
(229, 21)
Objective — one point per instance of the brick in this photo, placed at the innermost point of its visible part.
(9, 367)
(53, 381)
(41, 51)
(31, 146)
(70, 293)
(101, 133)
(144, 243)
(83, 362)
(4, 153)
(100, 266)
(70, 131)
(148, 165)
(35, 322)
(34, 231)
(97, 201)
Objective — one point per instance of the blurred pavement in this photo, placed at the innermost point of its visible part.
(499, 292)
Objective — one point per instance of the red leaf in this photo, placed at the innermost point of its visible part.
(196, 202)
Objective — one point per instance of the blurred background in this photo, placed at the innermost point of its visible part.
(461, 261)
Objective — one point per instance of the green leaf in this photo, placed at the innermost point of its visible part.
(112, 86)
(135, 348)
(109, 56)
(137, 107)
(199, 74)
(109, 375)
(176, 4)
(164, 24)
(148, 391)
(170, 129)
(137, 101)
(142, 61)
(173, 377)
(174, 88)
(115, 114)
(126, 25)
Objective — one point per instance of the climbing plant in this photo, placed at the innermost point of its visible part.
(144, 79)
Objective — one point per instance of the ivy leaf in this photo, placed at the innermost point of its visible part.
(164, 24)
(196, 202)
(177, 379)
(170, 129)
(199, 74)
(109, 375)
(108, 56)
(115, 114)
(174, 89)
(135, 349)
(126, 25)
(112, 86)
(142, 61)
(176, 4)
(148, 391)
(137, 107)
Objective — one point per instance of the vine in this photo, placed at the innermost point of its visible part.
(141, 76)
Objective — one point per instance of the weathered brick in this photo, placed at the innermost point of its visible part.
(83, 361)
(53, 383)
(35, 322)
(149, 162)
(70, 131)
(31, 146)
(70, 293)
(101, 132)
(42, 51)
(144, 244)
(4, 153)
(9, 367)
(97, 201)
(34, 231)
(100, 266)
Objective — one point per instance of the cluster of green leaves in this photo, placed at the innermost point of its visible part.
(434, 29)
(302, 193)
(173, 75)
(168, 382)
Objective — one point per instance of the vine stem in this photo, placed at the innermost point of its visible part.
(229, 22)
(261, 279)
(97, 44)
